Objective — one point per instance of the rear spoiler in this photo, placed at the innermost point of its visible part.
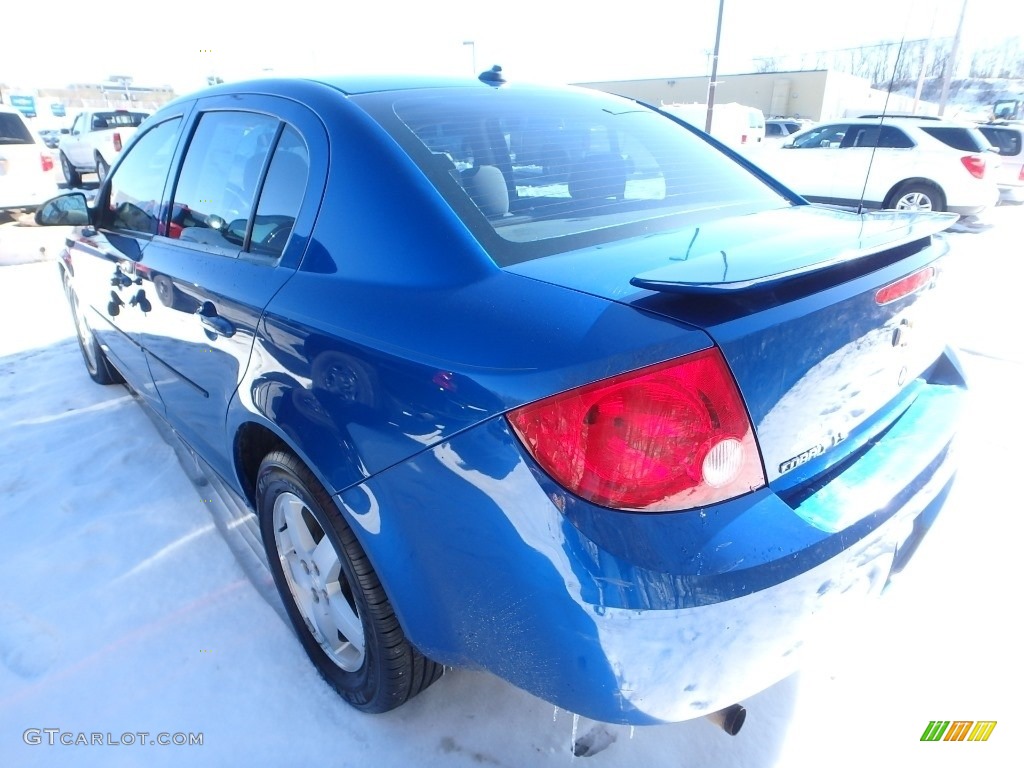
(719, 273)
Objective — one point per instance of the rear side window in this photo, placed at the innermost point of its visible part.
(136, 189)
(13, 130)
(962, 139)
(281, 196)
(822, 137)
(547, 171)
(1007, 140)
(884, 136)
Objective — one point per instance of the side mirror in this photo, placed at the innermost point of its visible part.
(70, 210)
(65, 130)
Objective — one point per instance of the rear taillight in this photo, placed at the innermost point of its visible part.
(975, 165)
(46, 161)
(669, 437)
(117, 141)
(1020, 176)
(905, 286)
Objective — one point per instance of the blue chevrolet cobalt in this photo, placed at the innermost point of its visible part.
(539, 381)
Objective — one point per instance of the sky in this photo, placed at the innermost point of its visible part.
(536, 40)
(126, 607)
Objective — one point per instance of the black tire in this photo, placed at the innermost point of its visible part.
(916, 196)
(303, 529)
(96, 363)
(71, 174)
(102, 168)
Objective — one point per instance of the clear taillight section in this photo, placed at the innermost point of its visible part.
(669, 437)
(975, 165)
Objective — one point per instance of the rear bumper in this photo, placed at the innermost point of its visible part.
(1011, 193)
(637, 618)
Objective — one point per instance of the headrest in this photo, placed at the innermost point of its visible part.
(598, 176)
(485, 184)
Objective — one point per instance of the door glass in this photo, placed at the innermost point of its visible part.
(136, 189)
(214, 198)
(281, 195)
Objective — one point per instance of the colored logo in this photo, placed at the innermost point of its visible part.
(958, 730)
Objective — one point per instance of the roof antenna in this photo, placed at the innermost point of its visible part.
(881, 122)
(493, 76)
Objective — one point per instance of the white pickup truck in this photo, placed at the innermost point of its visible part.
(94, 140)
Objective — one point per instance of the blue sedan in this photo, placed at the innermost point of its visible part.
(534, 380)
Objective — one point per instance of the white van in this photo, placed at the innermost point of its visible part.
(733, 124)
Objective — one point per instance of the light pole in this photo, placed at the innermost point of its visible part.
(472, 46)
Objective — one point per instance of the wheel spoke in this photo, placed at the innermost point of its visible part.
(346, 620)
(298, 532)
(325, 558)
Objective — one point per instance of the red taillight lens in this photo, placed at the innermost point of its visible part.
(975, 165)
(669, 437)
(117, 141)
(905, 286)
(45, 161)
(1020, 176)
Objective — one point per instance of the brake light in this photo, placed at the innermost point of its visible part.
(743, 138)
(905, 286)
(672, 436)
(975, 165)
(117, 141)
(46, 161)
(1020, 176)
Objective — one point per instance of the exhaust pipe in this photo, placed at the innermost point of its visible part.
(730, 719)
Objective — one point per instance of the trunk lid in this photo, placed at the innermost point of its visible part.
(793, 298)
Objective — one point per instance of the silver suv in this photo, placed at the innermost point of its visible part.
(1008, 138)
(907, 163)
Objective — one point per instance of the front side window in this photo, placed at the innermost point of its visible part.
(822, 137)
(136, 188)
(216, 191)
(1007, 140)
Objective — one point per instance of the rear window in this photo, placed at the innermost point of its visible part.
(1008, 140)
(13, 130)
(963, 139)
(119, 119)
(534, 172)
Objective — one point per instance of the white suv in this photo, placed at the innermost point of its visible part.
(27, 175)
(908, 163)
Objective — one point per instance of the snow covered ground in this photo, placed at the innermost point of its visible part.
(123, 608)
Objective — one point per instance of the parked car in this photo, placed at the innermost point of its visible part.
(904, 163)
(50, 137)
(95, 140)
(629, 440)
(778, 128)
(27, 176)
(736, 125)
(1008, 138)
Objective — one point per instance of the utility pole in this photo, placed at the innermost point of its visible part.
(947, 76)
(714, 67)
